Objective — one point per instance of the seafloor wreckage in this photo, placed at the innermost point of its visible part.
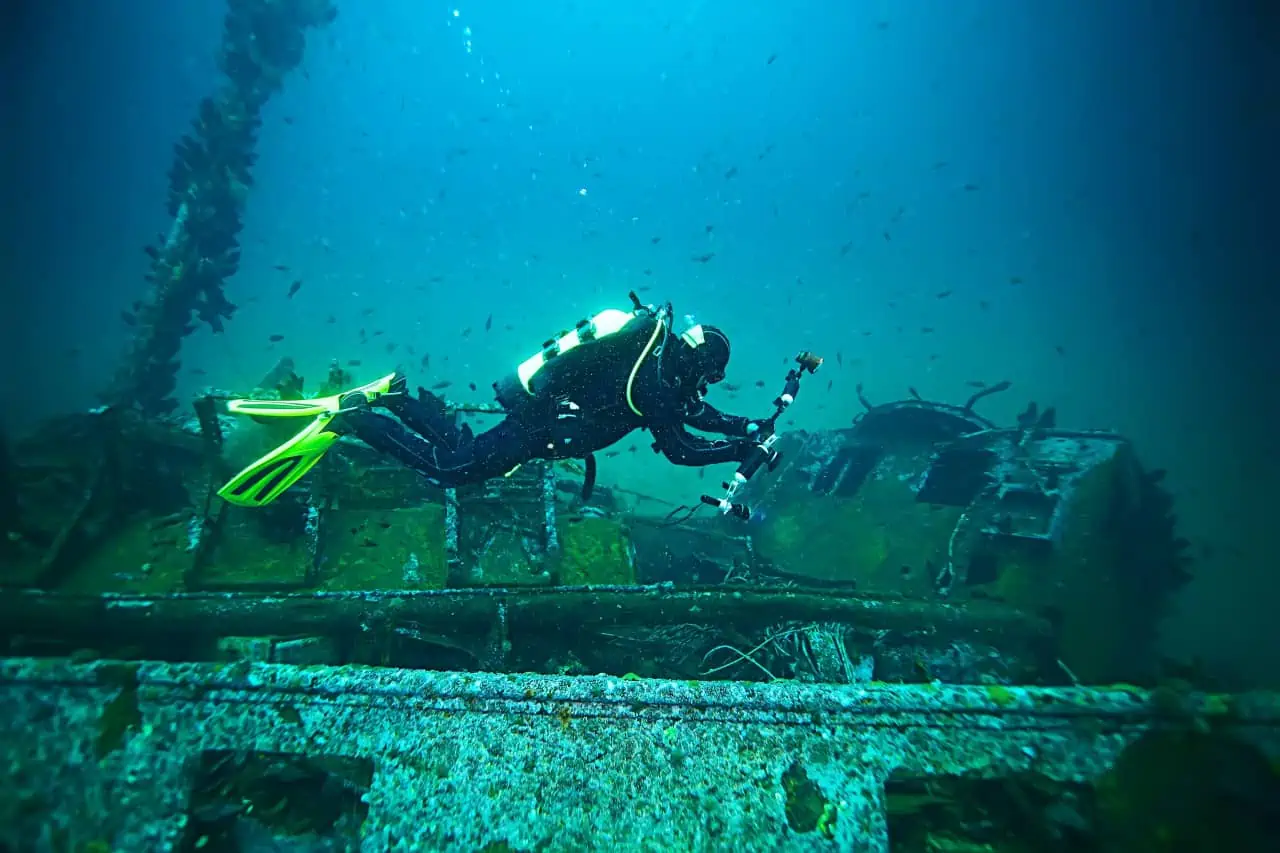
(920, 600)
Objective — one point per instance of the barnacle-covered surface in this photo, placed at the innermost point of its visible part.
(141, 756)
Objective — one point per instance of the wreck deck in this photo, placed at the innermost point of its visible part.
(449, 761)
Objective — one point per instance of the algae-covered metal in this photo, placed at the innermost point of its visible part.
(159, 756)
(932, 501)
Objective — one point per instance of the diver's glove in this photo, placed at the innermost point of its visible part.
(755, 427)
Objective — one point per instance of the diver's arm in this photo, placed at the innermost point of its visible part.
(683, 448)
(701, 415)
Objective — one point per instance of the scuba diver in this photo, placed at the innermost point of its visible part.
(581, 392)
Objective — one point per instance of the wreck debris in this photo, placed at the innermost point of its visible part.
(339, 757)
(209, 183)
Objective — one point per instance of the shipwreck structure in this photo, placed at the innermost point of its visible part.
(371, 661)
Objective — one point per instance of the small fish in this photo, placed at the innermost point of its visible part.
(1060, 349)
(391, 347)
(887, 238)
(1015, 279)
(610, 454)
(281, 268)
(471, 385)
(275, 339)
(702, 259)
(773, 57)
(128, 318)
(730, 387)
(294, 288)
(288, 119)
(488, 323)
(970, 188)
(913, 392)
(466, 333)
(646, 271)
(709, 228)
(830, 382)
(426, 360)
(759, 383)
(976, 383)
(926, 330)
(441, 385)
(331, 319)
(731, 173)
(839, 358)
(942, 294)
(845, 249)
(984, 304)
(655, 240)
(355, 362)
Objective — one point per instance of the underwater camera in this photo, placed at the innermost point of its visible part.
(764, 456)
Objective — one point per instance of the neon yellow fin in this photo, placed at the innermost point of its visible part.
(305, 408)
(264, 480)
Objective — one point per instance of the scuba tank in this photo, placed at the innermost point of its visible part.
(599, 357)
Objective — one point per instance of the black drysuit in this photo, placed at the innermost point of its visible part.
(591, 417)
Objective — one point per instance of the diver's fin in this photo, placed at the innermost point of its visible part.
(282, 408)
(264, 480)
(307, 408)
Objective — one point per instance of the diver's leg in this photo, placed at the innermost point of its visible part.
(490, 454)
(389, 436)
(427, 415)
